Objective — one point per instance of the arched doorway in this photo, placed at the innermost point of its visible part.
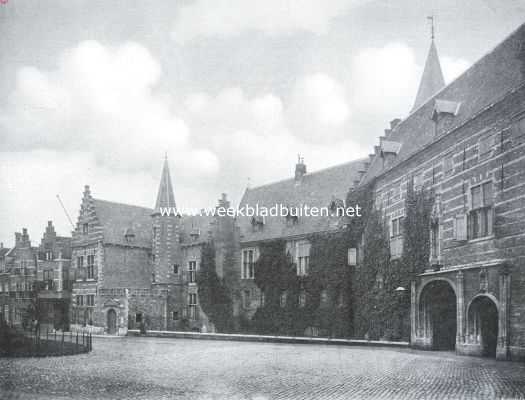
(438, 315)
(112, 322)
(483, 324)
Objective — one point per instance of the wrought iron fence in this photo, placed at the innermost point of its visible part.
(17, 342)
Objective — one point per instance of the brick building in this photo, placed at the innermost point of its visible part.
(465, 144)
(322, 189)
(134, 265)
(34, 281)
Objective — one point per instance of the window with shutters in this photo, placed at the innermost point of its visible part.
(479, 222)
(460, 227)
(302, 257)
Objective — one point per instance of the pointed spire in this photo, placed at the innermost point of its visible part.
(432, 80)
(165, 196)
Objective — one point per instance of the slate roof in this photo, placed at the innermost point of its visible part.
(483, 84)
(432, 80)
(117, 218)
(316, 189)
(165, 196)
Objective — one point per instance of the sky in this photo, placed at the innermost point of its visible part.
(97, 92)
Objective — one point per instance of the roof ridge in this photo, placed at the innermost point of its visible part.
(362, 159)
(121, 204)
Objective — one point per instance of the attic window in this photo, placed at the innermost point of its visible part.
(445, 107)
(390, 147)
(258, 222)
(337, 207)
(129, 235)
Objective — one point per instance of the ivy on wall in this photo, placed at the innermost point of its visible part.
(214, 296)
(276, 276)
(381, 311)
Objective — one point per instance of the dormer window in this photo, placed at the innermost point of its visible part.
(129, 235)
(85, 228)
(258, 223)
(445, 107)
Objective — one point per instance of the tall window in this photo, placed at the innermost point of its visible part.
(480, 215)
(80, 261)
(396, 228)
(248, 264)
(192, 267)
(434, 240)
(90, 300)
(80, 300)
(91, 266)
(302, 258)
(175, 269)
(282, 299)
(85, 228)
(192, 301)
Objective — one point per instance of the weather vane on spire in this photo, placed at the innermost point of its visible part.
(431, 18)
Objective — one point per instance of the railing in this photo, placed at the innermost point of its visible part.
(35, 343)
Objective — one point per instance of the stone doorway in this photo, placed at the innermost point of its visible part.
(438, 315)
(483, 324)
(112, 322)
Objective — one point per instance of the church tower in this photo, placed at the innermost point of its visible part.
(432, 80)
(166, 243)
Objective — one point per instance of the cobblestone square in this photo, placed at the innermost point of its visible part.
(150, 368)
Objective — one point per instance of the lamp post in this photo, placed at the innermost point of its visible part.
(401, 293)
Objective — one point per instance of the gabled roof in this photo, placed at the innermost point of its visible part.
(432, 80)
(315, 189)
(483, 84)
(117, 218)
(165, 196)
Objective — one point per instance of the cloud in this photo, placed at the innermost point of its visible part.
(319, 107)
(384, 80)
(105, 101)
(225, 18)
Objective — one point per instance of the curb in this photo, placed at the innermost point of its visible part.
(268, 339)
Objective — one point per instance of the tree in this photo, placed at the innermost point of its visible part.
(214, 297)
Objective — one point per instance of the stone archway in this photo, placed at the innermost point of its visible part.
(438, 315)
(483, 324)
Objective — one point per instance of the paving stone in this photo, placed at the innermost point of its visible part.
(155, 368)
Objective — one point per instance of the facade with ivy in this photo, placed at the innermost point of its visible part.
(462, 151)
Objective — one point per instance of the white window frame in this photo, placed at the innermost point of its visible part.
(248, 263)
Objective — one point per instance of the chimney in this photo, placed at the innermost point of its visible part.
(300, 169)
(223, 201)
(18, 238)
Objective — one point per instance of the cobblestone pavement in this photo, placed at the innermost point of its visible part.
(149, 368)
